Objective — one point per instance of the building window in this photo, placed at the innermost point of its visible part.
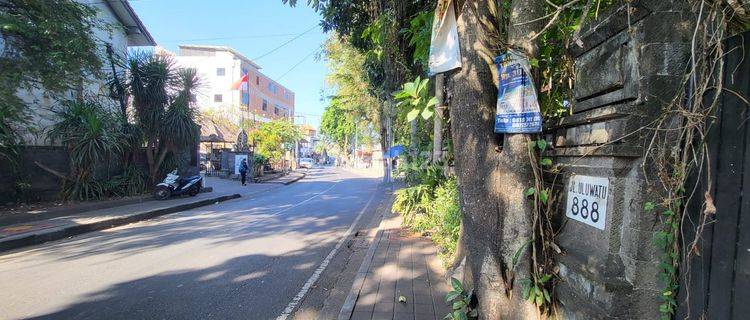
(276, 110)
(257, 80)
(272, 87)
(221, 71)
(265, 105)
(286, 94)
(218, 98)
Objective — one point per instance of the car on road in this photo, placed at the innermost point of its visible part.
(306, 163)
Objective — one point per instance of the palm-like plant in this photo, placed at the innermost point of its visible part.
(164, 111)
(86, 129)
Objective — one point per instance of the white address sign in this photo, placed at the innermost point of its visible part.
(587, 200)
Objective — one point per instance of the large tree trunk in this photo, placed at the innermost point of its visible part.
(493, 170)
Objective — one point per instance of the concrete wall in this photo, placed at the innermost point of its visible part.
(623, 79)
(43, 186)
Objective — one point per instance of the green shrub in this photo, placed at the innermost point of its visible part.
(434, 211)
(412, 202)
(91, 133)
(448, 210)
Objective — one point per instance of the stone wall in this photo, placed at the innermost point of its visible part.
(42, 185)
(631, 63)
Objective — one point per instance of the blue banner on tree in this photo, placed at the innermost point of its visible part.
(517, 105)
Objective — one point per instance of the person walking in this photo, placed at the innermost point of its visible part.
(243, 170)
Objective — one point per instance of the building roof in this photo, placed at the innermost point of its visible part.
(137, 33)
(214, 131)
(220, 48)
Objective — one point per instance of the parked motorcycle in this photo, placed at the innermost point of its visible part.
(174, 185)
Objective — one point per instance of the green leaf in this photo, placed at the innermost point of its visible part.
(649, 206)
(413, 114)
(458, 304)
(545, 162)
(525, 291)
(541, 144)
(543, 196)
(410, 88)
(461, 315)
(518, 252)
(456, 284)
(400, 95)
(534, 62)
(539, 300)
(547, 296)
(451, 295)
(545, 278)
(427, 113)
(529, 192)
(433, 101)
(422, 84)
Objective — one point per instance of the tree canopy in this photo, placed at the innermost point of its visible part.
(274, 138)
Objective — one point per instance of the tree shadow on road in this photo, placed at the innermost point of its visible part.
(226, 223)
(234, 289)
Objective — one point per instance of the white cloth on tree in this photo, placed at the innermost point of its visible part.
(445, 53)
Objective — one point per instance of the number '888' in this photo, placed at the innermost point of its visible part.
(585, 209)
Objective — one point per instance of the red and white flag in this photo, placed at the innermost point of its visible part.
(242, 83)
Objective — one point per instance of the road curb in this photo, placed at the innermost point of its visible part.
(295, 179)
(73, 230)
(351, 299)
(359, 279)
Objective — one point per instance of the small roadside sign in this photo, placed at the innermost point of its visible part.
(587, 200)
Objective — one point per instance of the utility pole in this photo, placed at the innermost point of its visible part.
(437, 141)
(388, 145)
(356, 146)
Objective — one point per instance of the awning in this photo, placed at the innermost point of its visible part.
(394, 151)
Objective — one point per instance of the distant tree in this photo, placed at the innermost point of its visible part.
(274, 138)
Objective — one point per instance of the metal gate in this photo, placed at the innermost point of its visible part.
(715, 282)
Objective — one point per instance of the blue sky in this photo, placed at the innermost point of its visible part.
(253, 27)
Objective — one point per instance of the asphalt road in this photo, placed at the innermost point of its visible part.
(242, 259)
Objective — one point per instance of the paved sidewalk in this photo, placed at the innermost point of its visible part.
(28, 229)
(398, 264)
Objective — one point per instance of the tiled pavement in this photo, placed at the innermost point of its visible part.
(403, 265)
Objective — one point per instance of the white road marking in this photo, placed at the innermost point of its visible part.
(305, 201)
(323, 265)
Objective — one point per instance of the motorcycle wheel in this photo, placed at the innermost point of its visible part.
(194, 191)
(162, 193)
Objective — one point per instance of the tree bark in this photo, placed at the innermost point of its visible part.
(493, 170)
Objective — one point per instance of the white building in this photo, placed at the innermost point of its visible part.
(127, 31)
(219, 67)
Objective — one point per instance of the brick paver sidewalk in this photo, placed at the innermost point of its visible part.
(403, 265)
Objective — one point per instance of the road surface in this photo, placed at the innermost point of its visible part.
(242, 259)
